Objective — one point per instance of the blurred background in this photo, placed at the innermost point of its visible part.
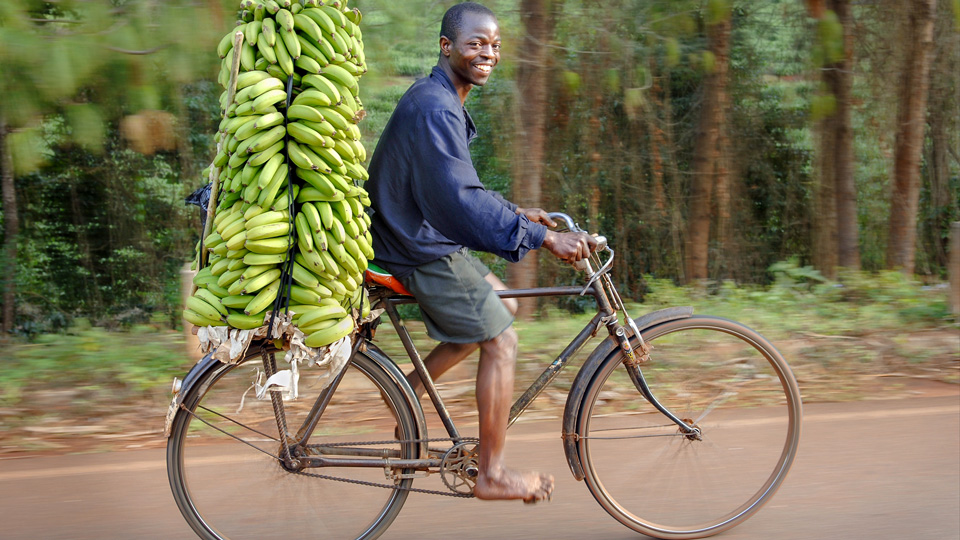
(794, 164)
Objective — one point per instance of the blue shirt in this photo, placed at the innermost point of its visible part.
(426, 197)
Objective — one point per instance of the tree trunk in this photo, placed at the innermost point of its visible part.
(11, 229)
(840, 81)
(532, 92)
(911, 120)
(825, 202)
(707, 153)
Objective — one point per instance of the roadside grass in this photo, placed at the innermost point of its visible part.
(865, 339)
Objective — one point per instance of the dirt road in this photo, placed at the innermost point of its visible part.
(866, 470)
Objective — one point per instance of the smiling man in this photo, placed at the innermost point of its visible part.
(429, 207)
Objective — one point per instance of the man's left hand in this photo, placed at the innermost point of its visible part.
(537, 215)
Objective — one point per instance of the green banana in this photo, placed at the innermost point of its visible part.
(312, 97)
(243, 321)
(323, 21)
(268, 99)
(269, 246)
(322, 313)
(326, 213)
(322, 338)
(324, 85)
(305, 112)
(265, 48)
(268, 30)
(211, 299)
(263, 299)
(270, 230)
(308, 48)
(262, 157)
(311, 216)
(255, 259)
(304, 134)
(304, 236)
(265, 218)
(284, 57)
(258, 282)
(237, 301)
(195, 318)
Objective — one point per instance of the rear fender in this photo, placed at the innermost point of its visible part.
(588, 371)
(209, 363)
(182, 388)
(413, 402)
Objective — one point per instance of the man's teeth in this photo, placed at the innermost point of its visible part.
(485, 69)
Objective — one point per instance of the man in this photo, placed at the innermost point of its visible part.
(429, 206)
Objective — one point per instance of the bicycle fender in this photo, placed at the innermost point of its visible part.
(603, 351)
(189, 380)
(413, 402)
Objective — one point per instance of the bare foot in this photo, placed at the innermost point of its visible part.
(509, 484)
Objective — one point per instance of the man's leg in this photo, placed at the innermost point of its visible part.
(494, 395)
(446, 355)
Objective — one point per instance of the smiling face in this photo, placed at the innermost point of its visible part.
(471, 58)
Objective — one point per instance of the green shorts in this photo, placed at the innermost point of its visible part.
(457, 303)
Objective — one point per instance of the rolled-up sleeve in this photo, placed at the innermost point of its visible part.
(452, 199)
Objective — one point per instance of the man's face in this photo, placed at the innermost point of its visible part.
(476, 51)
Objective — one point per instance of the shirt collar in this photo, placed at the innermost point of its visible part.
(441, 77)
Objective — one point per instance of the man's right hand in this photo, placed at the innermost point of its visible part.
(570, 246)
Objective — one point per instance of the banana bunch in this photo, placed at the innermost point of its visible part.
(290, 165)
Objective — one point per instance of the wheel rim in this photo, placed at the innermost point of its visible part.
(227, 489)
(686, 488)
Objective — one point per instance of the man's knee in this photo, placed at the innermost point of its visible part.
(505, 343)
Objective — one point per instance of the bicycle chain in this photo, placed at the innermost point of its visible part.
(389, 486)
(350, 480)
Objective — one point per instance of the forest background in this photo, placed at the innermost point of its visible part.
(811, 146)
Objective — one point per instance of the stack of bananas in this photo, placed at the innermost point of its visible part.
(290, 176)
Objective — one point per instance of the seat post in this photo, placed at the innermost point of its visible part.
(390, 306)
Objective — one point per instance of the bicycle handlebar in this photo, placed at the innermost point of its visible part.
(584, 264)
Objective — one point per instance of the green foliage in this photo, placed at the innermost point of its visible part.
(122, 365)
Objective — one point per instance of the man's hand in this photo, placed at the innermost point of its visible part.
(537, 215)
(570, 246)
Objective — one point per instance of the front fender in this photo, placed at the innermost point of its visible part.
(588, 371)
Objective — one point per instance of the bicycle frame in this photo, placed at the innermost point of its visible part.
(599, 286)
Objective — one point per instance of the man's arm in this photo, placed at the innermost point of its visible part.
(453, 200)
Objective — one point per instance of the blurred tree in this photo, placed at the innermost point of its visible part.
(708, 171)
(914, 82)
(537, 17)
(835, 229)
(89, 63)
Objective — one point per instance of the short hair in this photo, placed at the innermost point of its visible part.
(452, 23)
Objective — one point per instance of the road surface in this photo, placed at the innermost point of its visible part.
(865, 470)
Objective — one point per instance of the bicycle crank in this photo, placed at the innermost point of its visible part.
(459, 468)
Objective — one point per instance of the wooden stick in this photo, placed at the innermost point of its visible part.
(215, 171)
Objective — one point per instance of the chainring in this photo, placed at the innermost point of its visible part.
(459, 467)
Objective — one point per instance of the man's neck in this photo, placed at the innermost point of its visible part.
(462, 89)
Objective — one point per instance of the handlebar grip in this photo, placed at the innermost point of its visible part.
(601, 242)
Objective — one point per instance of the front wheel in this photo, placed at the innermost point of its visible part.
(224, 467)
(734, 387)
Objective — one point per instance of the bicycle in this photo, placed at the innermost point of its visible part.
(712, 396)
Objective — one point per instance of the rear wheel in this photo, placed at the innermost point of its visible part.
(223, 466)
(734, 387)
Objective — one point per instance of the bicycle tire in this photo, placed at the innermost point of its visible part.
(738, 390)
(227, 489)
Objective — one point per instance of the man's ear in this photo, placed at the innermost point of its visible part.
(445, 45)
